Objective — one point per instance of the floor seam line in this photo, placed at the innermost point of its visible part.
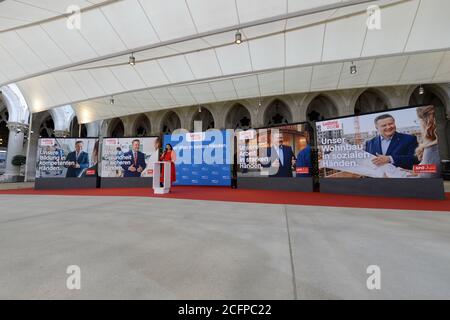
(294, 281)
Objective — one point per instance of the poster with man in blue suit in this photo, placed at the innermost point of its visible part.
(131, 157)
(275, 152)
(78, 161)
(401, 143)
(390, 146)
(134, 163)
(281, 158)
(67, 158)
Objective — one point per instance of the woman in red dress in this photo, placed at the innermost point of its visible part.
(168, 155)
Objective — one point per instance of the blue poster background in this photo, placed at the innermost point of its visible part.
(202, 173)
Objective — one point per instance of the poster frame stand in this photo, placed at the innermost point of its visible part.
(303, 184)
(88, 182)
(419, 188)
(125, 182)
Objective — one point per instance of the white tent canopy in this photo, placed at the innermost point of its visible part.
(186, 56)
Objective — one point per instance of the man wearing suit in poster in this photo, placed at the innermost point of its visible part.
(136, 165)
(80, 160)
(390, 146)
(304, 161)
(281, 158)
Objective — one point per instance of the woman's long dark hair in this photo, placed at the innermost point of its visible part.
(95, 151)
(428, 117)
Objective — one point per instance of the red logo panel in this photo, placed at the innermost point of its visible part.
(302, 170)
(425, 168)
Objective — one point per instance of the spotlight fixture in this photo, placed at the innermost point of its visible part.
(353, 68)
(238, 37)
(111, 100)
(132, 60)
(199, 109)
(421, 90)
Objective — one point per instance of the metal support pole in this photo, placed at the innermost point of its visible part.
(30, 129)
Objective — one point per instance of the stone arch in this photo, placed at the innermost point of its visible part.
(170, 122)
(371, 100)
(432, 96)
(116, 129)
(4, 131)
(204, 115)
(321, 107)
(238, 117)
(141, 126)
(277, 113)
(13, 127)
(47, 127)
(441, 91)
(62, 118)
(15, 104)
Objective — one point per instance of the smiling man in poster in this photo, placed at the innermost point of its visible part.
(136, 163)
(79, 160)
(400, 144)
(390, 146)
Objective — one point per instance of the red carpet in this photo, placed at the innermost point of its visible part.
(256, 196)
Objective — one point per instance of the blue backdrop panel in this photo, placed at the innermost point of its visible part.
(202, 162)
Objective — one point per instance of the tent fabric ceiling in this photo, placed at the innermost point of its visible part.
(298, 54)
(118, 26)
(420, 68)
(16, 14)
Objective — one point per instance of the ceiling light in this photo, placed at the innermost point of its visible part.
(132, 60)
(421, 90)
(238, 37)
(111, 101)
(199, 109)
(353, 69)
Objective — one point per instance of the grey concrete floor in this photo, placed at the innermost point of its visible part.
(149, 248)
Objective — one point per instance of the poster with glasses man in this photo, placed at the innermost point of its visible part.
(280, 151)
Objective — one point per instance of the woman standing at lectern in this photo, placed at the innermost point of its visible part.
(168, 155)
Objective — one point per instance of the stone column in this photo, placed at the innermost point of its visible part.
(447, 139)
(128, 122)
(93, 129)
(15, 147)
(219, 114)
(33, 142)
